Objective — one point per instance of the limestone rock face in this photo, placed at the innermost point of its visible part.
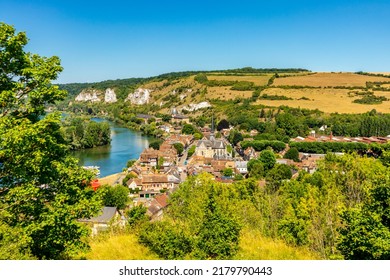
(110, 96)
(193, 107)
(139, 97)
(88, 95)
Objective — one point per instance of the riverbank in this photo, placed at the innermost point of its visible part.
(112, 179)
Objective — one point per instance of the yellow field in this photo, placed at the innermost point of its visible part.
(328, 79)
(225, 93)
(257, 80)
(385, 85)
(119, 247)
(253, 246)
(326, 100)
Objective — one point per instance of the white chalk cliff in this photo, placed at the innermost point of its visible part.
(139, 97)
(88, 95)
(110, 96)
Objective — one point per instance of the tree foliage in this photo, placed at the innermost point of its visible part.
(115, 196)
(268, 159)
(43, 191)
(82, 133)
(292, 154)
(223, 124)
(179, 148)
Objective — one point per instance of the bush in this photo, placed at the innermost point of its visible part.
(292, 154)
(260, 145)
(191, 151)
(370, 99)
(168, 242)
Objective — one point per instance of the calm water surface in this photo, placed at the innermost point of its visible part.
(125, 145)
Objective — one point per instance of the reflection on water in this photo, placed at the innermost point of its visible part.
(125, 145)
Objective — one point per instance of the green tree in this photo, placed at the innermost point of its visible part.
(292, 154)
(222, 124)
(43, 190)
(277, 174)
(267, 157)
(228, 172)
(191, 151)
(130, 163)
(235, 137)
(116, 196)
(137, 215)
(188, 129)
(255, 168)
(198, 136)
(219, 234)
(155, 144)
(179, 148)
(364, 236)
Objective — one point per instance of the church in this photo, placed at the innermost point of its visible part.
(209, 147)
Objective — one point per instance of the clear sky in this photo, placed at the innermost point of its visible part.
(100, 40)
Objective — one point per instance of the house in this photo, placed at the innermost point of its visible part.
(185, 140)
(134, 183)
(109, 216)
(159, 182)
(284, 161)
(180, 118)
(144, 117)
(156, 207)
(149, 157)
(241, 166)
(165, 128)
(146, 195)
(250, 153)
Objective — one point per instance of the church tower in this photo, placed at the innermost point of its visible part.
(212, 138)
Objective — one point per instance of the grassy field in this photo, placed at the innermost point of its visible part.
(225, 93)
(118, 247)
(257, 80)
(326, 100)
(328, 79)
(253, 246)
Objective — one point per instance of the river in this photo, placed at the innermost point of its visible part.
(125, 145)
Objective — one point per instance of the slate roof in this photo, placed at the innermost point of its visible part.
(214, 144)
(107, 214)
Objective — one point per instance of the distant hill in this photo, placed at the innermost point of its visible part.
(75, 88)
(329, 92)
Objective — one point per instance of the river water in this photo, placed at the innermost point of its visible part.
(125, 145)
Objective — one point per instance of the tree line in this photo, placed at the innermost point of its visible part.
(82, 133)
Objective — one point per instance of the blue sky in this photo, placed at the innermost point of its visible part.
(100, 40)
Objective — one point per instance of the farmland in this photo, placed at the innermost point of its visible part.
(326, 100)
(327, 92)
(259, 80)
(329, 80)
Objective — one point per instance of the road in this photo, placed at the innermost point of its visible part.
(182, 166)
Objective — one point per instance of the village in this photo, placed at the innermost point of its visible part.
(157, 173)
